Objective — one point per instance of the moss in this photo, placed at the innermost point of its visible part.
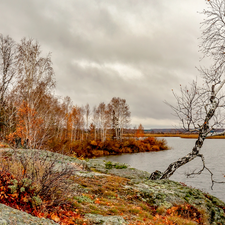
(22, 189)
(120, 166)
(108, 165)
(113, 210)
(13, 188)
(26, 182)
(36, 201)
(81, 199)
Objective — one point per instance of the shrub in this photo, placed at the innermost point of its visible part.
(39, 171)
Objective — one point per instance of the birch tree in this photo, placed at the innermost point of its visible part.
(120, 115)
(36, 81)
(7, 75)
(201, 108)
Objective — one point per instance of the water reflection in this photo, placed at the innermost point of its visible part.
(214, 154)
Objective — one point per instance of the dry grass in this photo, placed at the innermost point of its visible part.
(108, 195)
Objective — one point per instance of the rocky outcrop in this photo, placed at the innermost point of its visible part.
(163, 194)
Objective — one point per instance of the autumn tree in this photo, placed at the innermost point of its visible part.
(120, 115)
(35, 83)
(140, 131)
(87, 112)
(200, 108)
(104, 120)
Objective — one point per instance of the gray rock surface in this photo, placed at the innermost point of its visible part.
(105, 220)
(9, 216)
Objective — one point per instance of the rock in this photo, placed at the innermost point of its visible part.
(3, 222)
(165, 193)
(9, 216)
(105, 220)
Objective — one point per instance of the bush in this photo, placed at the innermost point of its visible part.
(40, 172)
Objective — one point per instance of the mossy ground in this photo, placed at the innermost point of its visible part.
(111, 195)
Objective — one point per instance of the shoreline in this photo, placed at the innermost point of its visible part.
(193, 136)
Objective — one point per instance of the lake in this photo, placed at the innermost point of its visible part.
(214, 153)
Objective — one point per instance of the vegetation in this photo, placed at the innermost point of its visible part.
(31, 116)
(92, 148)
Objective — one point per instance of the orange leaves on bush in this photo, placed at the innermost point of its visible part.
(23, 201)
(186, 211)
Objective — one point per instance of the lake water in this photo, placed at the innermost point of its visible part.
(214, 153)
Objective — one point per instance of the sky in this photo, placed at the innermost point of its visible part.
(135, 50)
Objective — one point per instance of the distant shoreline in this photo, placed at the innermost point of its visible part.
(193, 136)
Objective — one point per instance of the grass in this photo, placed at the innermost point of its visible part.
(108, 195)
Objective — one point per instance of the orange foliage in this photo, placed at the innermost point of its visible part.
(97, 148)
(140, 131)
(28, 125)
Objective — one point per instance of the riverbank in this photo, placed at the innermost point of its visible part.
(113, 193)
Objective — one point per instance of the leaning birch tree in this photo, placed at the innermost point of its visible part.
(201, 108)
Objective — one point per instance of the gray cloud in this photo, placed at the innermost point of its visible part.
(137, 50)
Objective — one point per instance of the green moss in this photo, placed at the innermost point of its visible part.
(113, 210)
(13, 188)
(22, 189)
(81, 199)
(108, 165)
(97, 212)
(26, 182)
(36, 201)
(120, 166)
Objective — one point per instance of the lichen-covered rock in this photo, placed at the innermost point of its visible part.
(9, 216)
(3, 222)
(118, 169)
(165, 193)
(105, 220)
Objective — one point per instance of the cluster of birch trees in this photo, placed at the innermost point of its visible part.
(32, 116)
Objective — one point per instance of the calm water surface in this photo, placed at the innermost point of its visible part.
(214, 153)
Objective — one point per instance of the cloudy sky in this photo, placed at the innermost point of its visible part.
(137, 50)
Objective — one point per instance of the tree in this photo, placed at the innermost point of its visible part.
(103, 119)
(33, 88)
(140, 131)
(87, 115)
(36, 72)
(7, 64)
(120, 115)
(7, 74)
(201, 108)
